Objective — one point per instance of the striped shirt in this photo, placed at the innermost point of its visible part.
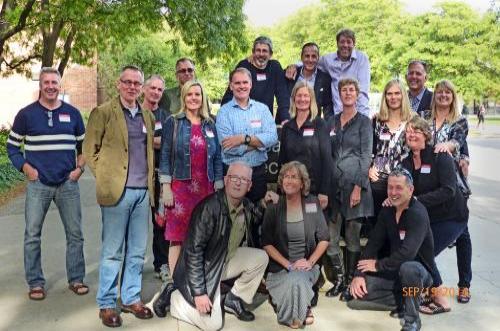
(256, 120)
(51, 141)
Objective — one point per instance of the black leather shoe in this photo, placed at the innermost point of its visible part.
(162, 305)
(337, 288)
(233, 305)
(413, 326)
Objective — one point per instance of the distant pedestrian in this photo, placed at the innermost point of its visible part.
(480, 116)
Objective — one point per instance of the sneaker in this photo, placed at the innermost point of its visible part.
(164, 273)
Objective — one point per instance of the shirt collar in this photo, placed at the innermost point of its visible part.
(354, 55)
(234, 104)
(313, 76)
(234, 210)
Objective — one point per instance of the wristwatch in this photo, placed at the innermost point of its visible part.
(82, 168)
(247, 139)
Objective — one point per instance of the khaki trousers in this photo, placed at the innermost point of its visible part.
(247, 263)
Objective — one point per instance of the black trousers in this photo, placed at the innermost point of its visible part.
(387, 294)
(160, 245)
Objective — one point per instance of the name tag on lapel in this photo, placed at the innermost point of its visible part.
(144, 129)
(308, 133)
(425, 169)
(210, 134)
(402, 234)
(158, 126)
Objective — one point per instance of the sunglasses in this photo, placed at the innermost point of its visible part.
(50, 123)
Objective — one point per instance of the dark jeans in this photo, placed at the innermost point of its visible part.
(387, 294)
(464, 259)
(160, 245)
(379, 194)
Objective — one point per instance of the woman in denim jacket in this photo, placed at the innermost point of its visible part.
(190, 164)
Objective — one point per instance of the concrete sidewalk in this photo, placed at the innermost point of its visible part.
(63, 310)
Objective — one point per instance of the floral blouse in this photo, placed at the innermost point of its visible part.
(455, 133)
(389, 148)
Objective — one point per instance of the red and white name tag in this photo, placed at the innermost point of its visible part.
(332, 132)
(308, 133)
(385, 136)
(158, 126)
(261, 77)
(64, 118)
(255, 124)
(210, 134)
(311, 207)
(425, 169)
(402, 234)
(144, 129)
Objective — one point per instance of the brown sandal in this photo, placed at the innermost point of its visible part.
(79, 288)
(309, 317)
(37, 293)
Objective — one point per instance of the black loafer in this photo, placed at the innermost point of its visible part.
(162, 305)
(413, 326)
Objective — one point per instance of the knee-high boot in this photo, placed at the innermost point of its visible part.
(351, 264)
(335, 274)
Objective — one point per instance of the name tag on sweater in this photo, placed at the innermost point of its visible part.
(64, 118)
(332, 132)
(311, 208)
(425, 169)
(261, 77)
(402, 234)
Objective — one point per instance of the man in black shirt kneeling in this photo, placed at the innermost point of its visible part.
(399, 279)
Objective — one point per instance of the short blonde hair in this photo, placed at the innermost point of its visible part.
(313, 108)
(301, 170)
(204, 108)
(405, 109)
(455, 111)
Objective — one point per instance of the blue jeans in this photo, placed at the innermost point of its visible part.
(444, 234)
(67, 199)
(124, 234)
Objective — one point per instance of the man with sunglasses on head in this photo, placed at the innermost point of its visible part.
(171, 99)
(119, 151)
(212, 253)
(52, 132)
(397, 281)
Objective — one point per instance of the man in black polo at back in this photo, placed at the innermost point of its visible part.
(268, 79)
(318, 79)
(399, 279)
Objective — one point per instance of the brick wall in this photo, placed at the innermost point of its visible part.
(80, 83)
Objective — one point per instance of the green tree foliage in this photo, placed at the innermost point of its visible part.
(457, 42)
(59, 31)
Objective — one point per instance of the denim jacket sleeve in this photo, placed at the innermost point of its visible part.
(217, 160)
(166, 169)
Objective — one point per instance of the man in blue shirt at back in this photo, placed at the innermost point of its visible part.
(52, 132)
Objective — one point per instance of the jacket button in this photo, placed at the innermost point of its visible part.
(126, 150)
(125, 167)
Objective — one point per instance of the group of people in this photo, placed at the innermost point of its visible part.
(218, 232)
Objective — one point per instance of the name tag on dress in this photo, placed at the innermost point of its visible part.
(311, 208)
(158, 126)
(425, 169)
(255, 124)
(308, 133)
(402, 234)
(64, 118)
(385, 136)
(261, 77)
(210, 134)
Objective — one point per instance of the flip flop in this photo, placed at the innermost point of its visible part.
(309, 317)
(37, 293)
(79, 288)
(434, 309)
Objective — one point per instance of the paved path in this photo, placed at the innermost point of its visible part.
(62, 310)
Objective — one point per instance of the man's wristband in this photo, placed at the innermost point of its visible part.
(82, 168)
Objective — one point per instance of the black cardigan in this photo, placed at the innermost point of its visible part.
(438, 190)
(274, 230)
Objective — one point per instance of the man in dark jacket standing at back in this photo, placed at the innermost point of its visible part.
(212, 253)
(319, 80)
(268, 79)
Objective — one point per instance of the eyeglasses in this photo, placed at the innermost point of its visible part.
(291, 177)
(130, 83)
(413, 131)
(238, 179)
(50, 122)
(185, 71)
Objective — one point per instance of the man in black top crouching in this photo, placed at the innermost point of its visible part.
(399, 279)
